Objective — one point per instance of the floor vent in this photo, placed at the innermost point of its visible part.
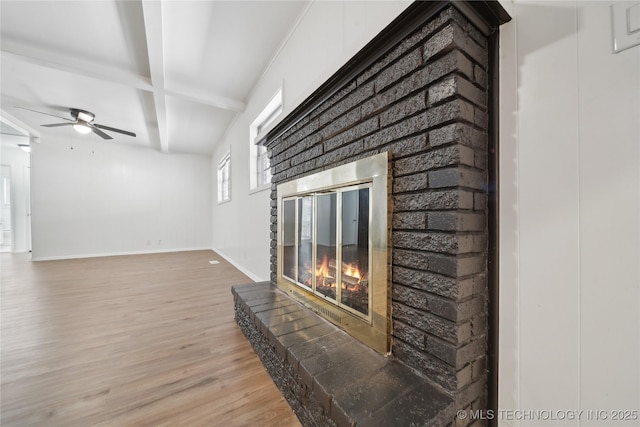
(332, 314)
(329, 313)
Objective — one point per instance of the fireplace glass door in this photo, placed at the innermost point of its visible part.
(355, 250)
(289, 240)
(305, 241)
(326, 245)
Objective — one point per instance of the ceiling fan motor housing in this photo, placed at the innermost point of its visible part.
(82, 115)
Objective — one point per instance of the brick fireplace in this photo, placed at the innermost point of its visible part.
(418, 96)
(333, 246)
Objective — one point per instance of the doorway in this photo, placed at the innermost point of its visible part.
(15, 197)
(6, 220)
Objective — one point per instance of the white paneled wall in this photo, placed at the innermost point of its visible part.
(93, 198)
(569, 214)
(327, 36)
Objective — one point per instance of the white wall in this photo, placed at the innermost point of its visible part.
(18, 161)
(569, 214)
(327, 36)
(92, 198)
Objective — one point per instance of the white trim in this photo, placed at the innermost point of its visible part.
(260, 189)
(238, 266)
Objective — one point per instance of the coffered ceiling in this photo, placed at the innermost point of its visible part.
(176, 73)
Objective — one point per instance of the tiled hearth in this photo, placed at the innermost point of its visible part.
(328, 377)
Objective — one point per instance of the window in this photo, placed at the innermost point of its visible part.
(259, 166)
(224, 179)
(6, 191)
(263, 176)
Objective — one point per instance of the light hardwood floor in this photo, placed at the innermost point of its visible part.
(143, 340)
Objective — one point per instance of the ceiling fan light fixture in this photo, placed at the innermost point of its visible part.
(82, 122)
(82, 127)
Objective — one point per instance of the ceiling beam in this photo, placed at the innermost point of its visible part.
(132, 80)
(82, 68)
(18, 125)
(152, 12)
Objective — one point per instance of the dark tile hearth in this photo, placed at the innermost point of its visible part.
(328, 377)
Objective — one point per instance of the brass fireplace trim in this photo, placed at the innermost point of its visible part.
(374, 331)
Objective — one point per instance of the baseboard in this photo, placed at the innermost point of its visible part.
(106, 254)
(238, 266)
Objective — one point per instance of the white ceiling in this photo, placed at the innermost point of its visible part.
(176, 73)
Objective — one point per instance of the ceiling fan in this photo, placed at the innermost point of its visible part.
(82, 121)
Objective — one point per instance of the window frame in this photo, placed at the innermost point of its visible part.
(259, 172)
(224, 170)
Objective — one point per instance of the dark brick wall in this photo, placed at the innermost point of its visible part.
(425, 102)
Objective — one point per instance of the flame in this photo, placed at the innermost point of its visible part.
(322, 273)
(352, 270)
(323, 270)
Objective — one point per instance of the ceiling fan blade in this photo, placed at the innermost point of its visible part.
(100, 133)
(55, 125)
(95, 125)
(46, 114)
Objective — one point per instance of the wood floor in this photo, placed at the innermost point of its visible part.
(144, 340)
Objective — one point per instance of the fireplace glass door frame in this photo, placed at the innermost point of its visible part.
(316, 246)
(307, 220)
